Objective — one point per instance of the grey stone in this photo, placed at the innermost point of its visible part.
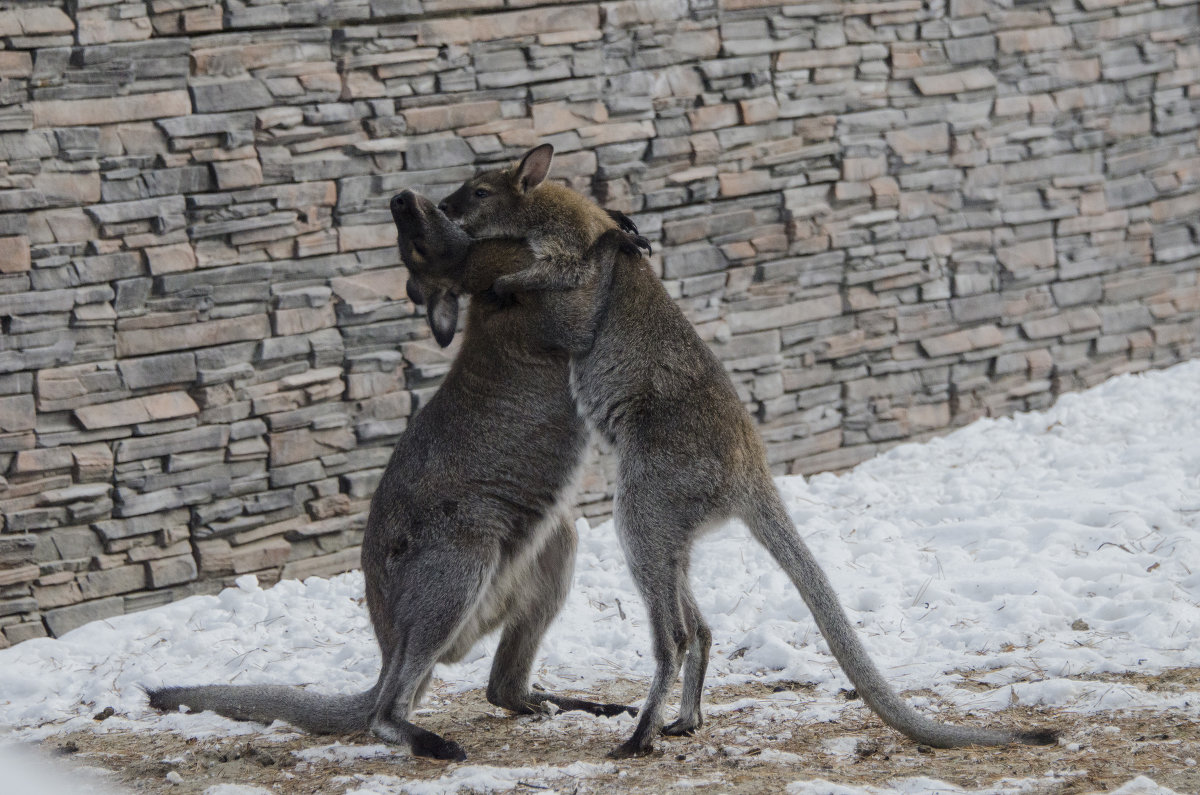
(64, 619)
(17, 413)
(148, 371)
(132, 503)
(109, 267)
(693, 261)
(24, 604)
(207, 124)
(296, 473)
(1129, 191)
(121, 212)
(436, 153)
(171, 571)
(163, 444)
(230, 95)
(132, 295)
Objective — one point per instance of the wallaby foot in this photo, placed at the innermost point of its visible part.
(568, 704)
(534, 703)
(420, 742)
(426, 743)
(682, 728)
(632, 748)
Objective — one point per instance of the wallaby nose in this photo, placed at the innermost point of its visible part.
(444, 205)
(399, 202)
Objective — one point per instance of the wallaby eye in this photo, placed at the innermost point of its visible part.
(482, 193)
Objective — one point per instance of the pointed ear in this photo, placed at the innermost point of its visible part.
(415, 293)
(534, 167)
(443, 317)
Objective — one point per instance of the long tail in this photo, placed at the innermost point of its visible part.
(770, 524)
(313, 712)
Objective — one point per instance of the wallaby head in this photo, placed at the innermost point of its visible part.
(490, 203)
(433, 248)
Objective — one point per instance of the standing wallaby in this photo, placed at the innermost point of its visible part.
(689, 457)
(469, 529)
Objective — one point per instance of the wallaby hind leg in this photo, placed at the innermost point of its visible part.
(694, 667)
(657, 571)
(439, 590)
(550, 580)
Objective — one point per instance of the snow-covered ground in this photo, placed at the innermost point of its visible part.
(1033, 548)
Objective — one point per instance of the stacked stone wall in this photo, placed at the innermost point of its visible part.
(888, 218)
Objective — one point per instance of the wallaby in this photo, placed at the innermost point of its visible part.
(469, 528)
(688, 454)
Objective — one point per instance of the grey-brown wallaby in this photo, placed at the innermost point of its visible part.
(689, 456)
(469, 529)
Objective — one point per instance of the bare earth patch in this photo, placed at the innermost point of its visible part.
(748, 745)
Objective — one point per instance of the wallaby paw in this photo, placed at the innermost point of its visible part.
(428, 744)
(628, 243)
(623, 221)
(681, 728)
(630, 749)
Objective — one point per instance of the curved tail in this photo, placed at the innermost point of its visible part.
(770, 524)
(314, 712)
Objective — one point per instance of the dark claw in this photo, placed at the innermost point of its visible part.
(633, 245)
(630, 228)
(624, 221)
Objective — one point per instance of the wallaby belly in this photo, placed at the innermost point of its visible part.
(506, 588)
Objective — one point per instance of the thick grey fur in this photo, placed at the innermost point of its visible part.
(469, 529)
(689, 459)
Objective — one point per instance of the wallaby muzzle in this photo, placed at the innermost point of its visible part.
(424, 233)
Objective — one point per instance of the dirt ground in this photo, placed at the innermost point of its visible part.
(746, 746)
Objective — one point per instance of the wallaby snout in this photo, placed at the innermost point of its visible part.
(408, 213)
(453, 205)
(432, 248)
(402, 202)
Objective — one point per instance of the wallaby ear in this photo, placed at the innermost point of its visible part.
(415, 293)
(534, 167)
(443, 317)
